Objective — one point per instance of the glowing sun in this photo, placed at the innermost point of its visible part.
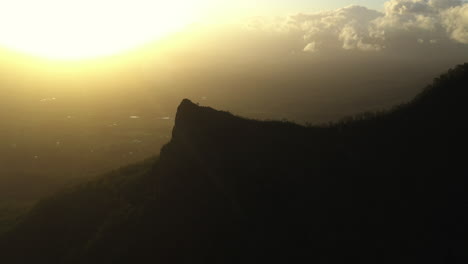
(82, 29)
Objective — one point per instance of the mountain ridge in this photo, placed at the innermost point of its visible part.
(381, 187)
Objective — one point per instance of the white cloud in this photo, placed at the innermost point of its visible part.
(456, 21)
(346, 27)
(311, 47)
(403, 22)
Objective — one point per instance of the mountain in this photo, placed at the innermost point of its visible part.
(385, 187)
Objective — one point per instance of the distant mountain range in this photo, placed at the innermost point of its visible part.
(386, 187)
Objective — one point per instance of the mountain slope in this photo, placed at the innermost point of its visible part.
(380, 188)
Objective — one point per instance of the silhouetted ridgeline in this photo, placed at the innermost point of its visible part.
(382, 188)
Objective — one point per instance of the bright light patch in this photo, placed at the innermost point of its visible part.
(81, 29)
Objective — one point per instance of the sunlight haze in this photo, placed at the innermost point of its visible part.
(79, 29)
(233, 131)
(83, 29)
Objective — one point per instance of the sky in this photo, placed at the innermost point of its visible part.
(82, 29)
(306, 61)
(283, 7)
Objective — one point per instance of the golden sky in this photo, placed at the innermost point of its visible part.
(71, 30)
(82, 29)
(77, 29)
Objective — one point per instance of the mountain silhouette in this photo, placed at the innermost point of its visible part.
(385, 187)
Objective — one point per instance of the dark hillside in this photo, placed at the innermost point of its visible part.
(377, 188)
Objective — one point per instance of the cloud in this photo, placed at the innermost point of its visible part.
(456, 21)
(353, 38)
(310, 47)
(403, 22)
(345, 27)
(44, 100)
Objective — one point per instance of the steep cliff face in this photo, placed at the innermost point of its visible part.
(234, 180)
(381, 188)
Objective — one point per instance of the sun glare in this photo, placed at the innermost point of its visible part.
(83, 29)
